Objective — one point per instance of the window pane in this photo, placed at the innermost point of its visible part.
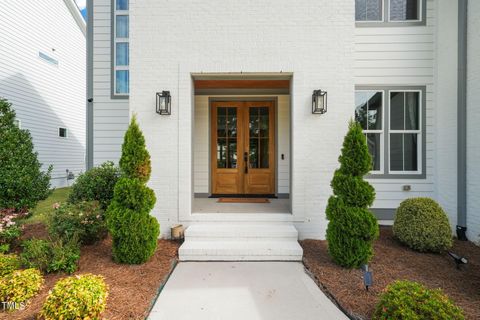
(221, 122)
(253, 153)
(368, 10)
(232, 153)
(361, 108)
(122, 27)
(410, 152)
(404, 10)
(396, 152)
(373, 142)
(232, 122)
(397, 105)
(254, 122)
(121, 79)
(122, 4)
(264, 156)
(221, 153)
(122, 54)
(412, 103)
(375, 111)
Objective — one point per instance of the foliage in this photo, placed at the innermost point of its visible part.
(9, 230)
(96, 184)
(22, 183)
(76, 297)
(406, 300)
(421, 224)
(43, 209)
(8, 264)
(134, 231)
(352, 228)
(4, 248)
(51, 256)
(83, 221)
(20, 285)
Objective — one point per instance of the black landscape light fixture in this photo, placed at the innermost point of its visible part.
(319, 102)
(164, 102)
(367, 277)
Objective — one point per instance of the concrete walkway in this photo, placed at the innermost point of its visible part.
(242, 290)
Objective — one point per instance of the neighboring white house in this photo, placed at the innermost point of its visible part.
(43, 74)
(241, 75)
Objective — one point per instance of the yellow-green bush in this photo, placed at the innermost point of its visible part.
(76, 297)
(407, 300)
(421, 224)
(20, 285)
(8, 263)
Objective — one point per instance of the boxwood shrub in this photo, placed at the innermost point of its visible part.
(406, 300)
(76, 297)
(421, 224)
(96, 184)
(20, 285)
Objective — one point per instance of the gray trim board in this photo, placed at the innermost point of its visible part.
(462, 115)
(383, 214)
(386, 23)
(112, 55)
(89, 102)
(386, 107)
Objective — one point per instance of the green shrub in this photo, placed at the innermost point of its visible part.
(8, 264)
(77, 297)
(406, 300)
(422, 225)
(51, 256)
(352, 228)
(134, 231)
(22, 183)
(36, 254)
(83, 221)
(20, 285)
(4, 248)
(10, 235)
(96, 185)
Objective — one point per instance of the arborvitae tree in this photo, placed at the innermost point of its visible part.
(352, 228)
(134, 231)
(22, 183)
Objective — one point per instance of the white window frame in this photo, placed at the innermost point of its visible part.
(418, 132)
(382, 19)
(66, 132)
(381, 132)
(119, 40)
(420, 13)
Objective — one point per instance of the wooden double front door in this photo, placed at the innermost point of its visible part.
(243, 147)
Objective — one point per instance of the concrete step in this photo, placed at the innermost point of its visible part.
(236, 241)
(246, 232)
(260, 250)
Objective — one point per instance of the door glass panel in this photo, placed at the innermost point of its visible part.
(226, 137)
(221, 153)
(259, 124)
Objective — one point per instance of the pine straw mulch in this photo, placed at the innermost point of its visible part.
(132, 287)
(394, 261)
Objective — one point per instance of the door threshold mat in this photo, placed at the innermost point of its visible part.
(243, 200)
(249, 196)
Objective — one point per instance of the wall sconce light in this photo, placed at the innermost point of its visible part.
(319, 102)
(164, 100)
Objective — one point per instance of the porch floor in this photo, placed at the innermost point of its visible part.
(210, 205)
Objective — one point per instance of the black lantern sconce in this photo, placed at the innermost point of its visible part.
(164, 102)
(319, 102)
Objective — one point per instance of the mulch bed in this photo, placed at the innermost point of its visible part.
(132, 288)
(394, 261)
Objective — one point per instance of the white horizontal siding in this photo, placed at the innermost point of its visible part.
(401, 56)
(111, 116)
(46, 96)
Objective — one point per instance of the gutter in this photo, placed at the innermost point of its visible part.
(462, 121)
(89, 102)
(72, 6)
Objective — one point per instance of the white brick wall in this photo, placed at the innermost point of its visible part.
(315, 42)
(473, 120)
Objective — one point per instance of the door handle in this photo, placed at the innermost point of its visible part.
(245, 160)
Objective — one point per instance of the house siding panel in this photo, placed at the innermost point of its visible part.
(46, 96)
